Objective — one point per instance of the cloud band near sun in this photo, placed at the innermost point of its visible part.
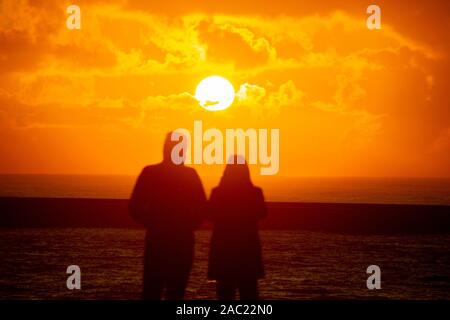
(377, 95)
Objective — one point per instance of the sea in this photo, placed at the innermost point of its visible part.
(299, 265)
(353, 190)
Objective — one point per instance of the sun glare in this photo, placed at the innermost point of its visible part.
(215, 93)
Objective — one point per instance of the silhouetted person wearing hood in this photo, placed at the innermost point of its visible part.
(169, 201)
(235, 207)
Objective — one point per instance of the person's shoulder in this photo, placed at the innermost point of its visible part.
(215, 189)
(258, 190)
(215, 193)
(150, 168)
(190, 171)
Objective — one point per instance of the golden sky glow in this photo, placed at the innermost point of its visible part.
(348, 101)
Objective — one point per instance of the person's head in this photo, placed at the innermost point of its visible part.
(237, 172)
(174, 140)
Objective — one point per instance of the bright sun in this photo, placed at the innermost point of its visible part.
(215, 93)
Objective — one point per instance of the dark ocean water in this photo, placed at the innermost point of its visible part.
(299, 265)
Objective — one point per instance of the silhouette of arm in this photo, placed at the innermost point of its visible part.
(137, 205)
(260, 204)
(198, 198)
(213, 206)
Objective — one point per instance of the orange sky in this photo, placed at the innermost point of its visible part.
(348, 101)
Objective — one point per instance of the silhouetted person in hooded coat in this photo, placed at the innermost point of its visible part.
(235, 207)
(169, 201)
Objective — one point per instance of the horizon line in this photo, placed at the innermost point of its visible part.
(211, 175)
